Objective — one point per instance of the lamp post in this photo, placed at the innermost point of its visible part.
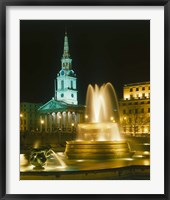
(112, 119)
(86, 117)
(42, 123)
(21, 122)
(72, 124)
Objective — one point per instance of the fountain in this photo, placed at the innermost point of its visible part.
(41, 156)
(99, 136)
(99, 151)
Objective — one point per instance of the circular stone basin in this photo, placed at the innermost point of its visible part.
(97, 149)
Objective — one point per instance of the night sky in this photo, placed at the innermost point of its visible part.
(116, 51)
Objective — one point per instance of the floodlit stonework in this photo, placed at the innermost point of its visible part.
(135, 109)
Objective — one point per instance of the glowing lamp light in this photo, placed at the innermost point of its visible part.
(21, 115)
(42, 121)
(124, 118)
(72, 124)
(111, 118)
(86, 116)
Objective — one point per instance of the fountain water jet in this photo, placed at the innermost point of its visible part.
(99, 136)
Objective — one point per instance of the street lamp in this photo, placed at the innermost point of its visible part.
(72, 124)
(42, 122)
(111, 118)
(86, 116)
(21, 116)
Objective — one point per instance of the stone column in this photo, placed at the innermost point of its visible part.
(45, 123)
(41, 124)
(68, 120)
(50, 122)
(59, 119)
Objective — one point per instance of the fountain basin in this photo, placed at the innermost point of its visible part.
(97, 149)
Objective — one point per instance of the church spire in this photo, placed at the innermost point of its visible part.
(66, 61)
(66, 88)
(66, 46)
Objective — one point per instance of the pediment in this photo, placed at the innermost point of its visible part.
(53, 105)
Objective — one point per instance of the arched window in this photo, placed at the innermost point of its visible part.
(71, 84)
(62, 84)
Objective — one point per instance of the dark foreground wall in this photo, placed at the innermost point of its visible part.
(124, 173)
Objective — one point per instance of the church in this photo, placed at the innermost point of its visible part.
(62, 112)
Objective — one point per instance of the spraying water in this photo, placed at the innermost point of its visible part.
(102, 115)
(61, 162)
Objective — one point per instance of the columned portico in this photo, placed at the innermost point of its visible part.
(60, 121)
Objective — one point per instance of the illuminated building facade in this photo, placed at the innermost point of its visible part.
(135, 109)
(62, 112)
(29, 116)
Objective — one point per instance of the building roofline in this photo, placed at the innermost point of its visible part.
(139, 83)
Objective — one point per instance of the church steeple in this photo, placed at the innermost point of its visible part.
(66, 88)
(66, 61)
(66, 46)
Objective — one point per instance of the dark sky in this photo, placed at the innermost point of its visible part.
(116, 51)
